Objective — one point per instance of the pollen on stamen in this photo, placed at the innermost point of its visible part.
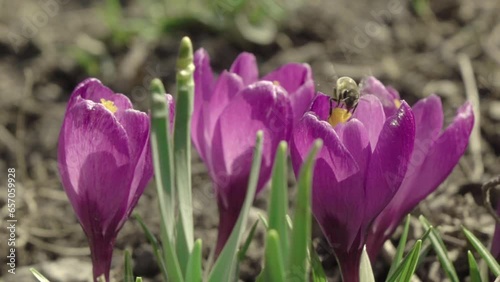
(277, 83)
(339, 115)
(109, 105)
(397, 103)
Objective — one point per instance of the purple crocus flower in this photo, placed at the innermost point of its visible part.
(357, 172)
(229, 110)
(435, 154)
(104, 160)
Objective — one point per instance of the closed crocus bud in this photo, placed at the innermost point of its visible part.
(358, 170)
(229, 110)
(104, 160)
(435, 154)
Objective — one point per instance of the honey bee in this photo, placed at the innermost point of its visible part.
(346, 92)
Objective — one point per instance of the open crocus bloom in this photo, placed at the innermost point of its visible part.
(435, 154)
(357, 172)
(104, 160)
(228, 112)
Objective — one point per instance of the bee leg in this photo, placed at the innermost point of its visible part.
(354, 108)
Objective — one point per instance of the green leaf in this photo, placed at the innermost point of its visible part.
(424, 252)
(263, 220)
(365, 268)
(301, 234)
(161, 147)
(243, 251)
(411, 265)
(475, 276)
(274, 269)
(129, 273)
(318, 273)
(278, 203)
(193, 270)
(182, 150)
(441, 251)
(157, 251)
(138, 279)
(483, 252)
(407, 267)
(225, 266)
(401, 247)
(289, 222)
(38, 275)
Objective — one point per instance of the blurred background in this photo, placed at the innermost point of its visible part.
(447, 47)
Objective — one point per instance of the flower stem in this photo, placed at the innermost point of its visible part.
(349, 265)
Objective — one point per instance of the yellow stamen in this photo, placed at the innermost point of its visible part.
(397, 103)
(339, 115)
(109, 105)
(277, 83)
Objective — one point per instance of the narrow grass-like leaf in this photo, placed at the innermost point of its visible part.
(401, 247)
(410, 267)
(157, 251)
(263, 220)
(483, 252)
(289, 222)
(278, 203)
(193, 270)
(475, 276)
(243, 251)
(365, 268)
(441, 251)
(426, 248)
(301, 234)
(407, 267)
(164, 175)
(225, 265)
(318, 273)
(38, 275)
(182, 150)
(128, 269)
(274, 269)
(161, 145)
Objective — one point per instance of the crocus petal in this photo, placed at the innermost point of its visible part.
(245, 66)
(92, 89)
(227, 86)
(429, 122)
(371, 85)
(93, 144)
(321, 106)
(333, 152)
(371, 113)
(423, 177)
(390, 160)
(297, 81)
(429, 176)
(264, 106)
(335, 178)
(136, 124)
(203, 78)
(290, 76)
